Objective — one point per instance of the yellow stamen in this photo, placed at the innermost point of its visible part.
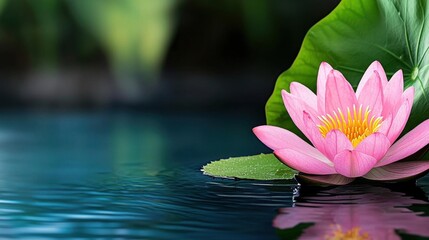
(354, 124)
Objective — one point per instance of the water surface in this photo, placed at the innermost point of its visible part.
(137, 176)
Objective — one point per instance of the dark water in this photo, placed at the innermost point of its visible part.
(136, 176)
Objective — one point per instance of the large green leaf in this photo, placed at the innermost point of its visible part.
(258, 167)
(357, 32)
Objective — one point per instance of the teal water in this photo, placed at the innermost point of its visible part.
(130, 175)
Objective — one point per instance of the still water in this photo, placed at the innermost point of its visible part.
(137, 176)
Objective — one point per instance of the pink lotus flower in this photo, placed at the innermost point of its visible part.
(353, 134)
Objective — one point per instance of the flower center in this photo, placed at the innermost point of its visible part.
(355, 124)
(352, 234)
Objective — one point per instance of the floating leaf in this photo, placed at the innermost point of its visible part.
(257, 167)
(350, 38)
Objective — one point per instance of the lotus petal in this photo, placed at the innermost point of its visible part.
(409, 144)
(305, 162)
(350, 163)
(397, 171)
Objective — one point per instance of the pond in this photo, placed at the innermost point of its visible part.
(131, 175)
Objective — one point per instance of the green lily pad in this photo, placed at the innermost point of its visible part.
(257, 167)
(350, 38)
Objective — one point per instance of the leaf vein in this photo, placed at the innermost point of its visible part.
(423, 89)
(420, 32)
(393, 55)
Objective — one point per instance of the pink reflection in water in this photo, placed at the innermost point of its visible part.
(369, 213)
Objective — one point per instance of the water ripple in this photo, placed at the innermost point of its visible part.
(155, 207)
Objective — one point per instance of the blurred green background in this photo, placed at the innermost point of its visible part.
(174, 54)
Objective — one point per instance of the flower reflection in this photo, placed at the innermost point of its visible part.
(364, 212)
(353, 234)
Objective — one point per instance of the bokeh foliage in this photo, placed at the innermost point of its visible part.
(146, 48)
(134, 35)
